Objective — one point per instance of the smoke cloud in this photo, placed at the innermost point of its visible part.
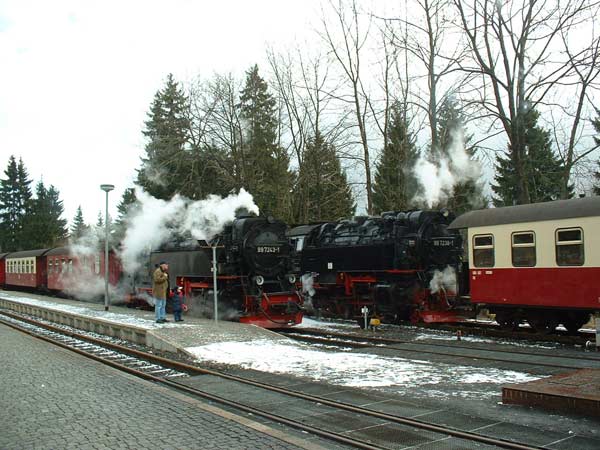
(154, 221)
(438, 178)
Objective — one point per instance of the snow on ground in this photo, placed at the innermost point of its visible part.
(98, 314)
(355, 369)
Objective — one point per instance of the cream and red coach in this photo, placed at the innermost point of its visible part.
(26, 269)
(538, 262)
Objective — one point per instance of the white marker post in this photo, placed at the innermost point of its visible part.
(365, 312)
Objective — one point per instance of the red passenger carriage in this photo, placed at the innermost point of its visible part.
(3, 268)
(68, 272)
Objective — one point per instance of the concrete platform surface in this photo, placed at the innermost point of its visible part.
(55, 399)
(134, 325)
(574, 392)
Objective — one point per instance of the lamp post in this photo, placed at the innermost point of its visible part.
(106, 188)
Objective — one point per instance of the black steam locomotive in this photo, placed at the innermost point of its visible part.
(254, 280)
(400, 265)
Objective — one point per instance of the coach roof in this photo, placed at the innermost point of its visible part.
(27, 253)
(534, 212)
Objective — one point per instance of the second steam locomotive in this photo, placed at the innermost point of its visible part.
(400, 265)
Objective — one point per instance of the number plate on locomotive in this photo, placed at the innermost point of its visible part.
(442, 243)
(264, 249)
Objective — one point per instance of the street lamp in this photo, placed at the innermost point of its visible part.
(106, 188)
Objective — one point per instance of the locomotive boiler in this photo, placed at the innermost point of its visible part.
(400, 265)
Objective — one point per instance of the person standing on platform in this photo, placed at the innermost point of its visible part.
(160, 286)
(177, 303)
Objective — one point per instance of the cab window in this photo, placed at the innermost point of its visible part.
(569, 247)
(483, 250)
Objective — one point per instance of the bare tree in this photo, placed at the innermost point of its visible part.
(427, 36)
(518, 54)
(347, 51)
(586, 69)
(304, 89)
(223, 128)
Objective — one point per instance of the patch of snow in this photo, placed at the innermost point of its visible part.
(351, 369)
(322, 325)
(125, 319)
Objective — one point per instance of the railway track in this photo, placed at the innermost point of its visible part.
(479, 328)
(538, 358)
(179, 375)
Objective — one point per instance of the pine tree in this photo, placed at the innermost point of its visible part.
(125, 208)
(15, 197)
(466, 195)
(265, 168)
(322, 192)
(542, 167)
(395, 185)
(10, 210)
(168, 159)
(45, 226)
(78, 227)
(100, 221)
(596, 124)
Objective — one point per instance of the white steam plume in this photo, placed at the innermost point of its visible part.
(84, 279)
(437, 179)
(443, 280)
(206, 218)
(148, 227)
(155, 221)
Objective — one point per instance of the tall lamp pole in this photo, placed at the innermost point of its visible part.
(106, 188)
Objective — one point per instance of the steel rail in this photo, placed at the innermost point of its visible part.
(391, 342)
(339, 405)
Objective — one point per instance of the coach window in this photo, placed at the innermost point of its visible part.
(483, 250)
(569, 247)
(523, 249)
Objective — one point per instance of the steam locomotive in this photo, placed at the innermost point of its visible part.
(400, 265)
(254, 283)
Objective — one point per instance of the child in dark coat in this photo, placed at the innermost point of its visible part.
(177, 303)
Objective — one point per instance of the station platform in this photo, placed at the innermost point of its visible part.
(573, 392)
(134, 325)
(53, 399)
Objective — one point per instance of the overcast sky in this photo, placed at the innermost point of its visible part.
(78, 77)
